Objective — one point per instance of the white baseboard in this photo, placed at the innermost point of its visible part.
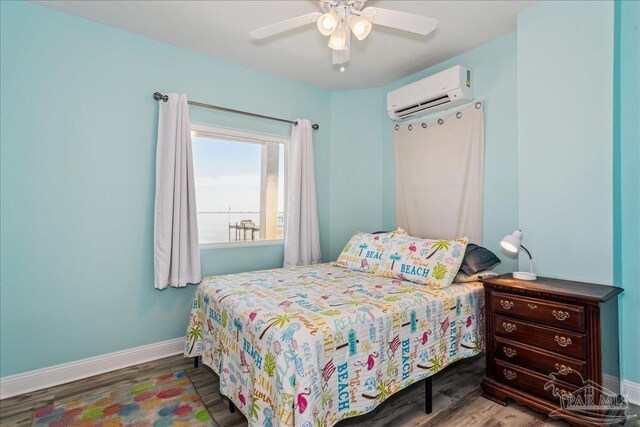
(611, 382)
(627, 388)
(38, 379)
(632, 391)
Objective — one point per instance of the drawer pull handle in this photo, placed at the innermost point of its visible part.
(561, 393)
(506, 304)
(561, 367)
(509, 327)
(561, 315)
(563, 341)
(532, 306)
(509, 374)
(509, 352)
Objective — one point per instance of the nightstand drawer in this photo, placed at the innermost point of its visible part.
(532, 382)
(556, 340)
(565, 316)
(538, 360)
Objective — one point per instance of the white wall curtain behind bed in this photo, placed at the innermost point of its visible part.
(301, 233)
(176, 247)
(440, 175)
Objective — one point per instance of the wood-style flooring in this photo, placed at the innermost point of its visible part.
(456, 399)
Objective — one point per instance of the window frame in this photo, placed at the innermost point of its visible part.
(244, 136)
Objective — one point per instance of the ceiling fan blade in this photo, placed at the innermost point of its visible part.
(280, 27)
(400, 20)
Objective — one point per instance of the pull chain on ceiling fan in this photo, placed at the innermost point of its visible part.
(341, 18)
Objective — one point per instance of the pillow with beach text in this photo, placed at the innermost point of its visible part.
(366, 251)
(424, 261)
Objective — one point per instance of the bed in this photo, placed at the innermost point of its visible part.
(310, 346)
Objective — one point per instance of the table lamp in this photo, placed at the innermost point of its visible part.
(511, 243)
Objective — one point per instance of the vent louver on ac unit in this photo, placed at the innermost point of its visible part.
(422, 106)
(434, 93)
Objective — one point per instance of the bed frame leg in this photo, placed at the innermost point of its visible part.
(232, 407)
(195, 362)
(428, 389)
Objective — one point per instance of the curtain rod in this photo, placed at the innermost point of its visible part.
(158, 96)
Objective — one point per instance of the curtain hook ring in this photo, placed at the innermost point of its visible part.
(440, 121)
(410, 127)
(478, 105)
(424, 125)
(458, 114)
(397, 127)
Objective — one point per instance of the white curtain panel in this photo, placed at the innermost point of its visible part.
(440, 176)
(176, 251)
(301, 235)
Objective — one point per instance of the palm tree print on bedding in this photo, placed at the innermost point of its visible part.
(310, 346)
(428, 262)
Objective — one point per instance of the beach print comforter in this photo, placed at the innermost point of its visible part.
(310, 346)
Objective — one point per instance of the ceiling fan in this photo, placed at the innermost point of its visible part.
(340, 16)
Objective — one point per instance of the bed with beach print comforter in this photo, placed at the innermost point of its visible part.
(310, 346)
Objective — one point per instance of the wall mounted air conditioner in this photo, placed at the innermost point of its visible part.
(435, 93)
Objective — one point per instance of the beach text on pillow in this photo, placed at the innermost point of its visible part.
(425, 261)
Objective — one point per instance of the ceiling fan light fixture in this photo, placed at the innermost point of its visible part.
(328, 23)
(340, 19)
(338, 39)
(359, 26)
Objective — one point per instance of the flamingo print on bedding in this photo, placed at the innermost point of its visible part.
(310, 346)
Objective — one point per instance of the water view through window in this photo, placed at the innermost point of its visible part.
(239, 189)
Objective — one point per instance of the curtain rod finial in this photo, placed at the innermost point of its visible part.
(158, 96)
(314, 126)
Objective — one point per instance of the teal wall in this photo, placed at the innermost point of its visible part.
(77, 181)
(494, 77)
(627, 181)
(356, 162)
(578, 149)
(565, 147)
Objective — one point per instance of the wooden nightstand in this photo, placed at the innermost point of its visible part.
(536, 328)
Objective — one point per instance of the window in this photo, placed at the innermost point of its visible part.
(240, 185)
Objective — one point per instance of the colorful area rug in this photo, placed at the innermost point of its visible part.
(170, 400)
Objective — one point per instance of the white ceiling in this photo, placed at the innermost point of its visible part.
(221, 29)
